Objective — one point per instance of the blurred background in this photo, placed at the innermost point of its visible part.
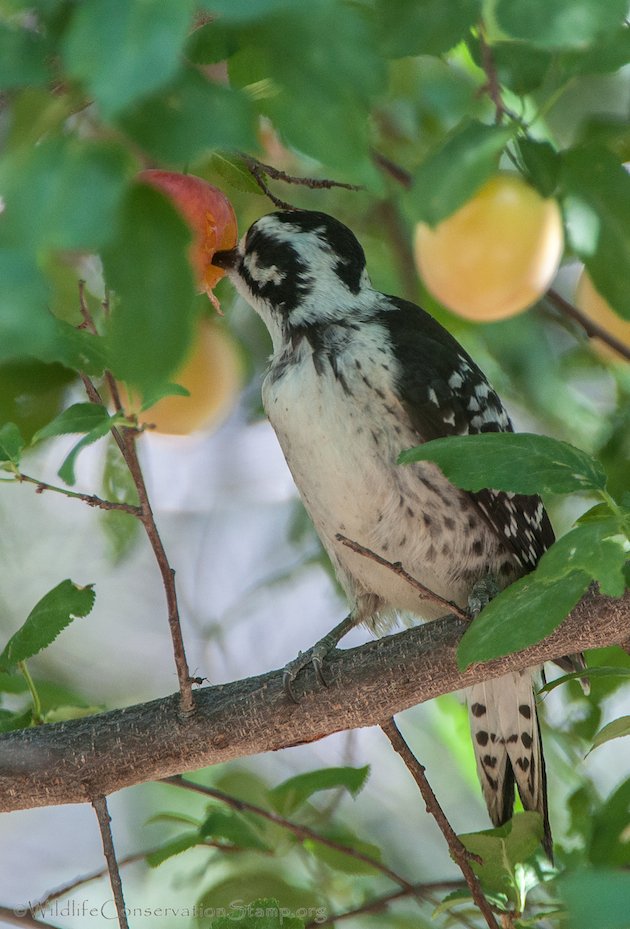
(253, 583)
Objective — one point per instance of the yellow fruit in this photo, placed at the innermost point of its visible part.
(212, 373)
(593, 305)
(496, 255)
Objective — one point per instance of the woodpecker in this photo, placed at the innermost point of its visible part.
(355, 377)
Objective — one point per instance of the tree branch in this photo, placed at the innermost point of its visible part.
(378, 904)
(459, 853)
(126, 441)
(104, 822)
(592, 328)
(298, 829)
(74, 761)
(90, 499)
(22, 918)
(398, 569)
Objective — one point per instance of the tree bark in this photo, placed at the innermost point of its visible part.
(75, 761)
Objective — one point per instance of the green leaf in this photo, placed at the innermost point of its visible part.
(191, 116)
(597, 212)
(23, 56)
(28, 329)
(26, 326)
(524, 613)
(424, 27)
(80, 417)
(520, 462)
(14, 721)
(12, 683)
(229, 826)
(165, 816)
(240, 11)
(293, 793)
(502, 849)
(211, 43)
(66, 471)
(457, 169)
(11, 443)
(76, 349)
(342, 861)
(609, 821)
(602, 57)
(542, 163)
(61, 714)
(519, 67)
(55, 611)
(176, 846)
(559, 23)
(532, 607)
(596, 898)
(232, 169)
(590, 673)
(264, 913)
(150, 328)
(614, 730)
(121, 529)
(283, 59)
(598, 548)
(250, 882)
(125, 49)
(457, 897)
(73, 186)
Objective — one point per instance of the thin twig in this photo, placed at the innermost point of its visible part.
(400, 242)
(16, 916)
(381, 903)
(104, 819)
(302, 832)
(90, 499)
(259, 170)
(88, 322)
(398, 569)
(168, 574)
(492, 86)
(459, 853)
(395, 171)
(66, 889)
(591, 328)
(125, 438)
(313, 183)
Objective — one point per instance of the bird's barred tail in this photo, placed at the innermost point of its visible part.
(508, 747)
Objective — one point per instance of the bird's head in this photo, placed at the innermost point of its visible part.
(297, 268)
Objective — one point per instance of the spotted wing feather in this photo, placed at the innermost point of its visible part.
(446, 393)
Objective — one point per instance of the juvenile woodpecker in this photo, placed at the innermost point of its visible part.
(355, 377)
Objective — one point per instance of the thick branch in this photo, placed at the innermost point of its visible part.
(74, 761)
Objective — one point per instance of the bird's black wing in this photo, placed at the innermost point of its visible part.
(445, 393)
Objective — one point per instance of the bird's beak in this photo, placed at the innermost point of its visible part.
(227, 259)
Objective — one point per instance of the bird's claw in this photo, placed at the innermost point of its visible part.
(313, 656)
(482, 593)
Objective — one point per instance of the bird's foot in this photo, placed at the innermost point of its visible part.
(482, 593)
(315, 656)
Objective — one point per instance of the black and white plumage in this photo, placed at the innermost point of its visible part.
(355, 377)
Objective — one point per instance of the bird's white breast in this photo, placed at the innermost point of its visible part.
(341, 429)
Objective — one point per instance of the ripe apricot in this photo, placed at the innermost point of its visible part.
(494, 256)
(212, 373)
(591, 302)
(209, 214)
